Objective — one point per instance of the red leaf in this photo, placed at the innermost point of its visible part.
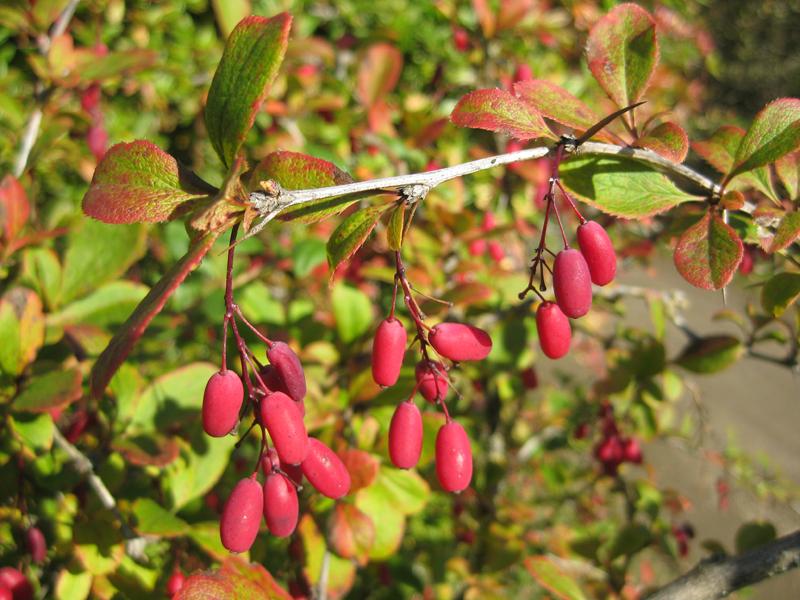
(788, 169)
(669, 140)
(352, 533)
(138, 182)
(500, 111)
(378, 73)
(556, 103)
(129, 333)
(50, 390)
(14, 207)
(147, 450)
(362, 466)
(708, 252)
(236, 579)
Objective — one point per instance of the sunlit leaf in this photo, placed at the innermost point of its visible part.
(709, 252)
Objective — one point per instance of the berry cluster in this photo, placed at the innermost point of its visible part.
(14, 585)
(573, 272)
(613, 449)
(456, 342)
(275, 394)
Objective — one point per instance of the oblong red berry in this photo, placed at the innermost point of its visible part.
(432, 384)
(572, 283)
(325, 471)
(175, 582)
(281, 508)
(19, 586)
(37, 545)
(405, 435)
(388, 350)
(453, 457)
(286, 362)
(241, 516)
(459, 341)
(555, 333)
(274, 383)
(598, 251)
(284, 421)
(222, 400)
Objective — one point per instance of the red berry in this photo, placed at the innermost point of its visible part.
(489, 221)
(431, 380)
(271, 378)
(598, 251)
(281, 508)
(746, 265)
(523, 72)
(554, 329)
(222, 400)
(529, 378)
(175, 582)
(453, 457)
(388, 350)
(19, 586)
(325, 470)
(405, 435)
(90, 98)
(282, 418)
(572, 283)
(97, 140)
(37, 545)
(241, 516)
(460, 39)
(286, 362)
(631, 450)
(496, 251)
(477, 247)
(459, 341)
(5, 593)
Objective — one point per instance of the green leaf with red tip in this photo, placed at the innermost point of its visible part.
(50, 390)
(137, 182)
(378, 73)
(128, 334)
(709, 252)
(352, 533)
(14, 208)
(362, 467)
(253, 53)
(500, 111)
(667, 139)
(774, 132)
(622, 51)
(351, 234)
(780, 292)
(788, 169)
(153, 519)
(21, 330)
(550, 576)
(711, 354)
(235, 579)
(787, 232)
(621, 186)
(394, 229)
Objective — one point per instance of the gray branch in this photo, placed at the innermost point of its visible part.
(718, 578)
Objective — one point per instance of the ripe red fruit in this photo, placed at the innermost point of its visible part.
(282, 418)
(477, 247)
(453, 457)
(496, 251)
(598, 251)
(222, 400)
(19, 586)
(97, 140)
(631, 451)
(388, 350)
(460, 39)
(405, 435)
(529, 378)
(431, 384)
(241, 516)
(459, 341)
(37, 545)
(746, 265)
(286, 362)
(572, 283)
(554, 329)
(5, 593)
(175, 582)
(325, 471)
(271, 378)
(281, 508)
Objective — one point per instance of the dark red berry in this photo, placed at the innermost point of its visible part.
(286, 362)
(529, 378)
(388, 350)
(37, 545)
(222, 400)
(241, 516)
(453, 457)
(5, 593)
(97, 140)
(598, 251)
(272, 380)
(431, 380)
(572, 283)
(460, 39)
(459, 341)
(175, 582)
(631, 450)
(14, 581)
(405, 435)
(282, 418)
(281, 508)
(496, 251)
(325, 470)
(555, 332)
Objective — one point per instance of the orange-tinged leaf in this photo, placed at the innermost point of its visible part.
(500, 111)
(352, 533)
(21, 329)
(709, 252)
(147, 450)
(788, 169)
(378, 73)
(667, 139)
(236, 579)
(50, 390)
(787, 232)
(556, 103)
(362, 466)
(14, 208)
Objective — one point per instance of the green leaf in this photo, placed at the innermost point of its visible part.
(105, 306)
(394, 230)
(754, 534)
(41, 269)
(53, 389)
(21, 330)
(34, 431)
(500, 111)
(711, 354)
(621, 186)
(374, 502)
(774, 132)
(709, 252)
(341, 572)
(236, 579)
(230, 12)
(622, 51)
(780, 292)
(788, 169)
(198, 469)
(73, 585)
(351, 234)
(306, 255)
(669, 140)
(550, 576)
(152, 519)
(253, 53)
(630, 540)
(786, 233)
(352, 310)
(137, 182)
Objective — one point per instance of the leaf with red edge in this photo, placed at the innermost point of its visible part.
(351, 234)
(55, 389)
(788, 169)
(512, 12)
(14, 207)
(254, 573)
(622, 51)
(152, 449)
(786, 233)
(21, 329)
(236, 579)
(668, 139)
(708, 252)
(378, 73)
(552, 578)
(500, 111)
(253, 53)
(352, 533)
(129, 333)
(137, 182)
(362, 466)
(774, 132)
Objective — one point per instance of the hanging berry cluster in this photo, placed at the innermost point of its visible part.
(573, 271)
(455, 342)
